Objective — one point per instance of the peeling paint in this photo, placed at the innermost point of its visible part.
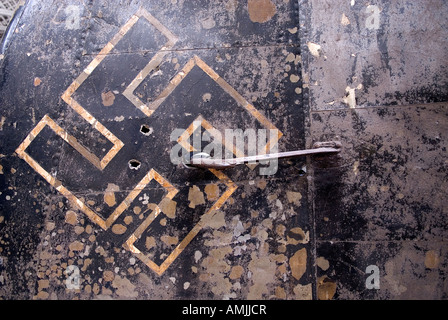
(107, 98)
(326, 288)
(153, 230)
(350, 98)
(261, 10)
(298, 263)
(195, 196)
(344, 20)
(109, 195)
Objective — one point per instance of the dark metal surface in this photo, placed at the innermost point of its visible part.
(90, 93)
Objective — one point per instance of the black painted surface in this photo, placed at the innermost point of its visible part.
(310, 231)
(227, 258)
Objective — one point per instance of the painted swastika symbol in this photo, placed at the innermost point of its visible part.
(147, 109)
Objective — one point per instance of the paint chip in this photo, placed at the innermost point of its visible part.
(294, 197)
(150, 242)
(216, 220)
(195, 196)
(169, 240)
(297, 263)
(206, 97)
(303, 292)
(344, 20)
(108, 98)
(119, 229)
(128, 220)
(294, 78)
(168, 207)
(197, 256)
(108, 276)
(76, 246)
(261, 10)
(137, 210)
(326, 288)
(297, 235)
(236, 272)
(37, 81)
(208, 23)
(355, 167)
(212, 191)
(350, 97)
(314, 48)
(109, 195)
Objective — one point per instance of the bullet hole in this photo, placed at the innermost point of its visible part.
(134, 164)
(146, 130)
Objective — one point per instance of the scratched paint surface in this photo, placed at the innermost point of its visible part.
(375, 76)
(90, 94)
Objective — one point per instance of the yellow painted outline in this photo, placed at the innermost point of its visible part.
(105, 224)
(177, 79)
(160, 269)
(117, 143)
(67, 95)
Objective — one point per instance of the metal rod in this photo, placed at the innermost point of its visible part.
(202, 161)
